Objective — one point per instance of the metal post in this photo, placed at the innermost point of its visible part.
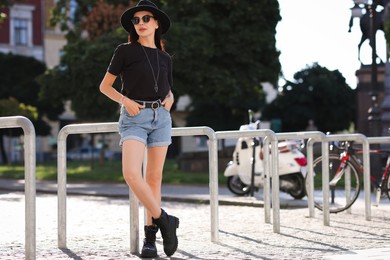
(310, 186)
(134, 223)
(274, 170)
(312, 136)
(61, 154)
(61, 186)
(366, 166)
(374, 112)
(253, 162)
(30, 182)
(310, 173)
(267, 178)
(275, 183)
(213, 171)
(325, 183)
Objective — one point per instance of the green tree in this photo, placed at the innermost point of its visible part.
(222, 51)
(317, 94)
(11, 107)
(22, 84)
(19, 93)
(4, 4)
(79, 74)
(64, 15)
(91, 40)
(85, 59)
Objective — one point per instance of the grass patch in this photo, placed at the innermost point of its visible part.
(109, 171)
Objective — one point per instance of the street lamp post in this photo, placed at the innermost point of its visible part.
(374, 113)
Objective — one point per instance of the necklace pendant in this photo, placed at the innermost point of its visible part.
(156, 88)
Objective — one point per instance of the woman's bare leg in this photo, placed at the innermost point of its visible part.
(132, 158)
(154, 170)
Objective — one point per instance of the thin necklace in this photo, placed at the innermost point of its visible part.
(158, 68)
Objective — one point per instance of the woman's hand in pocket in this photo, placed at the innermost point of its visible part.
(168, 101)
(132, 107)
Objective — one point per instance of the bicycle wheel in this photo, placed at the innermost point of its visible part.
(339, 197)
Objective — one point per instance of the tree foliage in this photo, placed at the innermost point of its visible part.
(79, 74)
(102, 18)
(4, 4)
(72, 18)
(19, 95)
(19, 83)
(317, 94)
(85, 59)
(222, 51)
(12, 107)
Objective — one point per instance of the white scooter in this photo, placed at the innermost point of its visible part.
(239, 171)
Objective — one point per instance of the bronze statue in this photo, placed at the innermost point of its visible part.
(365, 24)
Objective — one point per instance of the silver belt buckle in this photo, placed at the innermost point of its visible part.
(155, 105)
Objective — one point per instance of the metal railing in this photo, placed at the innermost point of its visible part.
(360, 138)
(270, 169)
(134, 209)
(213, 171)
(29, 176)
(312, 136)
(325, 169)
(61, 179)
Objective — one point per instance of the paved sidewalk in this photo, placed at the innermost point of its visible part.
(178, 193)
(98, 226)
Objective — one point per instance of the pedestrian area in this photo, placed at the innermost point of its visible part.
(98, 228)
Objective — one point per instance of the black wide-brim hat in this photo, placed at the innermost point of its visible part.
(145, 5)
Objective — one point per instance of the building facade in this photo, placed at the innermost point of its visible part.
(22, 32)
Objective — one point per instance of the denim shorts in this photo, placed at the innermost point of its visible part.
(150, 126)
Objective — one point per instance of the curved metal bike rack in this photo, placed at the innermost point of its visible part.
(312, 136)
(61, 165)
(213, 171)
(269, 168)
(134, 208)
(366, 169)
(29, 176)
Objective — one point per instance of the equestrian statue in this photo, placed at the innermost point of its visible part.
(365, 24)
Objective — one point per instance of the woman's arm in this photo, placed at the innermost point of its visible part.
(107, 89)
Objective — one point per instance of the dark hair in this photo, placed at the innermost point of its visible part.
(133, 37)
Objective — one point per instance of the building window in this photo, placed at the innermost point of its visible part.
(21, 31)
(21, 25)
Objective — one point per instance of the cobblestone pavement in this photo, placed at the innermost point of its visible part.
(98, 228)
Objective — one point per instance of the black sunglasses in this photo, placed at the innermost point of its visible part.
(145, 18)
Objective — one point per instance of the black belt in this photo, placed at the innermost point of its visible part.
(150, 104)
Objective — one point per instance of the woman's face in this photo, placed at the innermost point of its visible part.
(144, 23)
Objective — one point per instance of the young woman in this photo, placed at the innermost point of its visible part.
(146, 99)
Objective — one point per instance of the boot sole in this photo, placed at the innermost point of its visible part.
(149, 254)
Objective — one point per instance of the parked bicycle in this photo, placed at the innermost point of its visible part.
(346, 177)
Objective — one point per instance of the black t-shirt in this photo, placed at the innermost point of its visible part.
(129, 61)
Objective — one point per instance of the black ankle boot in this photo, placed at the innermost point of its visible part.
(149, 248)
(168, 225)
